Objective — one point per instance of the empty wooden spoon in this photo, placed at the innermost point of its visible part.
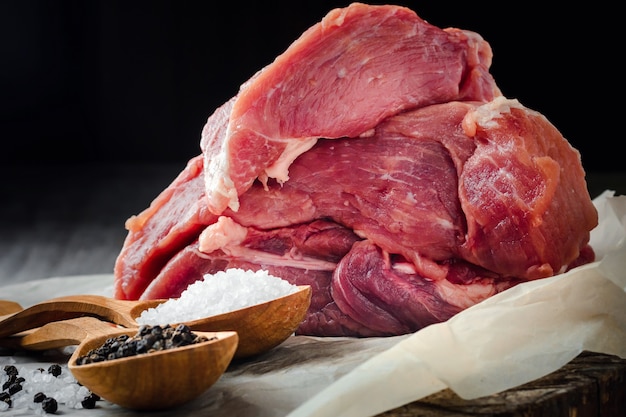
(122, 312)
(260, 327)
(9, 307)
(61, 333)
(149, 381)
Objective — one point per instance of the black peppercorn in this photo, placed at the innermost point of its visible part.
(55, 369)
(157, 330)
(39, 397)
(89, 401)
(147, 339)
(15, 387)
(6, 397)
(49, 405)
(10, 380)
(10, 370)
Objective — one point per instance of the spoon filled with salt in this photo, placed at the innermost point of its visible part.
(262, 308)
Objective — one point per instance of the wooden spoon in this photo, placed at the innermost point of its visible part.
(260, 327)
(149, 381)
(9, 307)
(122, 312)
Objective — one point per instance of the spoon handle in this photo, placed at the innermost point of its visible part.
(9, 307)
(59, 334)
(122, 312)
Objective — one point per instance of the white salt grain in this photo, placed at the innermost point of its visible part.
(64, 389)
(219, 293)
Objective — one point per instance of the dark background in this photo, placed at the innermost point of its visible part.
(134, 81)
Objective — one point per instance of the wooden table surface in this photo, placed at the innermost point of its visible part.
(69, 220)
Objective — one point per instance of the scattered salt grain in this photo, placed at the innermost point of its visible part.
(218, 293)
(64, 388)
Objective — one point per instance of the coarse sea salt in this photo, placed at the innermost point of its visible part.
(218, 293)
(63, 388)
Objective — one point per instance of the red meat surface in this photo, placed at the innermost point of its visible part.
(413, 199)
(358, 66)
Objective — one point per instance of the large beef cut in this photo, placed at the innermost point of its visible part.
(341, 78)
(377, 161)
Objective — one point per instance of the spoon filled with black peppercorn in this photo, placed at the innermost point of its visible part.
(168, 378)
(143, 368)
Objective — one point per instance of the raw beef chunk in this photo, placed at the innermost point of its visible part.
(377, 161)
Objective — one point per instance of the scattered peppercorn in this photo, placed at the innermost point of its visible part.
(147, 339)
(55, 369)
(49, 405)
(10, 381)
(39, 397)
(4, 396)
(10, 370)
(89, 401)
(14, 385)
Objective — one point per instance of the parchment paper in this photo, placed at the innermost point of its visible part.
(510, 339)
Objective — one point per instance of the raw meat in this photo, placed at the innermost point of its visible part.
(438, 209)
(173, 220)
(358, 66)
(377, 161)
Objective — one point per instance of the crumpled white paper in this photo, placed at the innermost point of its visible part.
(507, 340)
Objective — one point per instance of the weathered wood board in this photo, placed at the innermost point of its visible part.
(591, 385)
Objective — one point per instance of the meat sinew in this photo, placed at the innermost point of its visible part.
(416, 191)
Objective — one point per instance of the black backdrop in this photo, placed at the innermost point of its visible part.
(91, 81)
